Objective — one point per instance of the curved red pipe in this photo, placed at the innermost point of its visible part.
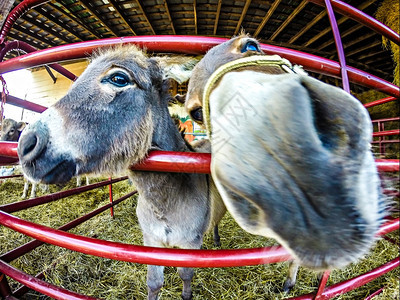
(181, 162)
(147, 255)
(20, 45)
(380, 101)
(41, 286)
(150, 255)
(193, 45)
(353, 283)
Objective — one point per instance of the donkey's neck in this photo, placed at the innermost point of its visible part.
(166, 135)
(162, 188)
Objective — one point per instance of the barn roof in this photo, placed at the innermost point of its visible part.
(296, 24)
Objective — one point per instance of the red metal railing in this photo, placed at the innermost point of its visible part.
(185, 162)
(381, 133)
(194, 45)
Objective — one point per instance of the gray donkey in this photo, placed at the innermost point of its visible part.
(113, 115)
(10, 132)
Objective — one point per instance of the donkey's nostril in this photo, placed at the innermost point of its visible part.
(30, 146)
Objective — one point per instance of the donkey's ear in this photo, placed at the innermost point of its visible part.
(21, 126)
(177, 67)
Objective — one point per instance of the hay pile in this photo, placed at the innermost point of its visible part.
(108, 279)
(388, 14)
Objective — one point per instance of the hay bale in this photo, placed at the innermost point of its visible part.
(388, 14)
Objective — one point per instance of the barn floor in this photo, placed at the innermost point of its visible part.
(108, 279)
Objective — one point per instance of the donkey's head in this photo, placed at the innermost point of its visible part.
(105, 123)
(241, 46)
(290, 155)
(11, 130)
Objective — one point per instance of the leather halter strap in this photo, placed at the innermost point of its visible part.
(250, 61)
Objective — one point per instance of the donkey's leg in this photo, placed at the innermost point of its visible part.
(291, 279)
(26, 187)
(186, 274)
(155, 280)
(155, 274)
(217, 238)
(33, 190)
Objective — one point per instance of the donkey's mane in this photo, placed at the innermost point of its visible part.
(121, 52)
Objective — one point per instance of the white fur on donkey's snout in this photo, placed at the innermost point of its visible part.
(249, 113)
(60, 142)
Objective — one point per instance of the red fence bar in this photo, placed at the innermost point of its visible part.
(386, 133)
(387, 165)
(339, 46)
(389, 226)
(147, 255)
(193, 45)
(20, 45)
(351, 284)
(181, 162)
(40, 285)
(151, 255)
(10, 176)
(370, 297)
(17, 252)
(17, 206)
(362, 18)
(9, 149)
(380, 101)
(24, 104)
(184, 162)
(386, 120)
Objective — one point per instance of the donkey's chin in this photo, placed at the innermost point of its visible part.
(57, 172)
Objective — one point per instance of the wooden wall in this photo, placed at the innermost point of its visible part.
(44, 91)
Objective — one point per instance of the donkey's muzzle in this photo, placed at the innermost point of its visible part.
(40, 159)
(31, 146)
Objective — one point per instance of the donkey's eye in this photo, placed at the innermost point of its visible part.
(197, 114)
(119, 79)
(250, 46)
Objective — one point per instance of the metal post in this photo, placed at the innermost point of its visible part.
(111, 198)
(339, 46)
(5, 290)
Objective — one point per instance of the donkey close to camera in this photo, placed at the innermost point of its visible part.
(291, 155)
(113, 115)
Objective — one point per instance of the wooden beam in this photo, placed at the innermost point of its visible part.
(246, 7)
(195, 17)
(169, 17)
(145, 16)
(41, 26)
(343, 35)
(13, 34)
(266, 17)
(357, 40)
(92, 10)
(308, 26)
(217, 17)
(34, 36)
(289, 19)
(366, 47)
(340, 21)
(72, 17)
(121, 13)
(47, 14)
